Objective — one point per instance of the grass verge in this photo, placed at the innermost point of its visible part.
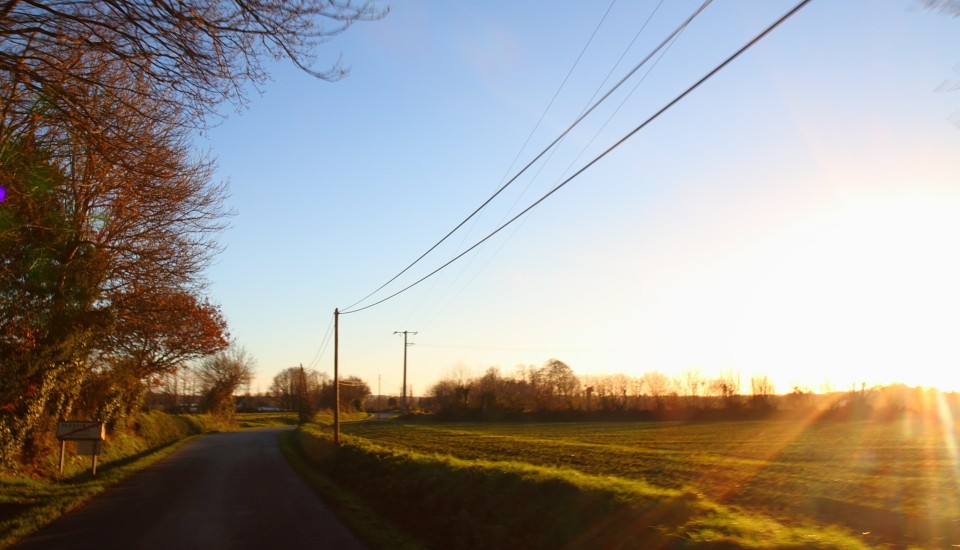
(369, 526)
(444, 502)
(28, 503)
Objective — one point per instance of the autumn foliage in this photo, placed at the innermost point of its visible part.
(108, 215)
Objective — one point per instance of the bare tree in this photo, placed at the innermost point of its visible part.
(658, 386)
(690, 384)
(221, 376)
(636, 390)
(285, 387)
(727, 387)
(762, 390)
(191, 54)
(299, 389)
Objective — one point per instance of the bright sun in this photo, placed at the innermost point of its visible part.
(871, 295)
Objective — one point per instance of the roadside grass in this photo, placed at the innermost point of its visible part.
(896, 483)
(325, 418)
(369, 526)
(28, 503)
(266, 419)
(448, 502)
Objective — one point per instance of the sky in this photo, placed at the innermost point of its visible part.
(795, 217)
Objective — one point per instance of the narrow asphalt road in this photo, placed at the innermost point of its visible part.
(230, 490)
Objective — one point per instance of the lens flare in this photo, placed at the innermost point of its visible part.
(946, 421)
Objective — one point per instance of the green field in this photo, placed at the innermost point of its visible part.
(884, 483)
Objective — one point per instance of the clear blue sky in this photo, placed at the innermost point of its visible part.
(797, 216)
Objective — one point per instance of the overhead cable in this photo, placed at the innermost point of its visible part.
(323, 346)
(587, 104)
(620, 142)
(540, 121)
(536, 158)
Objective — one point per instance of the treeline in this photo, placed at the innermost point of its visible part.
(554, 391)
(109, 216)
(307, 391)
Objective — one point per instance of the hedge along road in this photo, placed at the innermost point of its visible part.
(228, 490)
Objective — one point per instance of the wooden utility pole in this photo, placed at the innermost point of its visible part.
(336, 377)
(405, 346)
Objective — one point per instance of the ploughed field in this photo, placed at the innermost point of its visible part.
(890, 482)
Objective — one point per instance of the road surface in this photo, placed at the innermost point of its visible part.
(222, 491)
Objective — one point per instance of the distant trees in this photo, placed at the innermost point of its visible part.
(551, 387)
(727, 388)
(450, 396)
(307, 390)
(557, 385)
(220, 377)
(555, 389)
(691, 385)
(353, 392)
(301, 390)
(762, 391)
(689, 395)
(657, 387)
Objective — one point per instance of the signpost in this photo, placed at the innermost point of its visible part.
(87, 433)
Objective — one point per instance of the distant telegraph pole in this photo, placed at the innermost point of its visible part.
(405, 346)
(336, 377)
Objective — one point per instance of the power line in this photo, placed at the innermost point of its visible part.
(349, 309)
(560, 88)
(323, 346)
(597, 91)
(583, 150)
(534, 131)
(622, 103)
(607, 151)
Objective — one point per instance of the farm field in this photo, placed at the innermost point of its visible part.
(891, 483)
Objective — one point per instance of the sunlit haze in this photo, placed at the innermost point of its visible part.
(797, 216)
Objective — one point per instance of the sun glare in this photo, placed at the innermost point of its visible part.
(870, 294)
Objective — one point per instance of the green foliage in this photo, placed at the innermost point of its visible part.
(157, 429)
(62, 260)
(46, 293)
(113, 395)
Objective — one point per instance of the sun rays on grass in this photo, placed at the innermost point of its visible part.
(885, 471)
